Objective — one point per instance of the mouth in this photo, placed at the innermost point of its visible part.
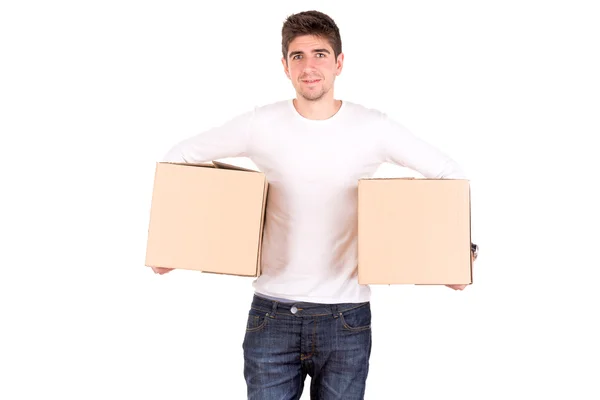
(311, 81)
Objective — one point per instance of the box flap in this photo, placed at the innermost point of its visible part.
(212, 164)
(206, 165)
(222, 165)
(262, 227)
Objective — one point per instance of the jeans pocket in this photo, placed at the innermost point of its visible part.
(256, 320)
(358, 319)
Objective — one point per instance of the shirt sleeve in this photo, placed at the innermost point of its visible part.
(402, 147)
(230, 139)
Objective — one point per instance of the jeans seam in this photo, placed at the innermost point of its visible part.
(257, 328)
(312, 350)
(353, 329)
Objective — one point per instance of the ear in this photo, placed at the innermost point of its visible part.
(285, 67)
(339, 64)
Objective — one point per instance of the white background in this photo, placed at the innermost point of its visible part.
(93, 93)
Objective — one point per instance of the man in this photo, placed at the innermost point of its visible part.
(309, 315)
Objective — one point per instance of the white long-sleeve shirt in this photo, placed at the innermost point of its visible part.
(309, 248)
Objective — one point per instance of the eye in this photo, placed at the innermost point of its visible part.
(296, 57)
(320, 54)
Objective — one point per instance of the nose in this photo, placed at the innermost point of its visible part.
(309, 63)
(309, 72)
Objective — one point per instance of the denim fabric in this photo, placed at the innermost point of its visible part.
(284, 342)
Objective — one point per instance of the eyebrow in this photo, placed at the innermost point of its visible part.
(293, 53)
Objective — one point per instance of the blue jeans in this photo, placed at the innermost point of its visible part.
(284, 342)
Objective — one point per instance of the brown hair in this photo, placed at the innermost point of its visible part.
(310, 23)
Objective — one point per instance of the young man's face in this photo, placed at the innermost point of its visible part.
(311, 66)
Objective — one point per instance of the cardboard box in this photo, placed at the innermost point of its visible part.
(414, 231)
(207, 217)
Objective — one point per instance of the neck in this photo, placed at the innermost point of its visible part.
(324, 108)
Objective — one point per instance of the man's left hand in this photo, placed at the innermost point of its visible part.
(461, 287)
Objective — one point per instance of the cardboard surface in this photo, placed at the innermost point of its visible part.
(207, 217)
(414, 231)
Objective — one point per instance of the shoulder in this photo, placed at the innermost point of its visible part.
(380, 121)
(269, 112)
(272, 108)
(364, 113)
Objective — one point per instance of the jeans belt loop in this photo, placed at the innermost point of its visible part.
(334, 310)
(273, 309)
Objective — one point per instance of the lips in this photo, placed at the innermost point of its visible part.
(311, 81)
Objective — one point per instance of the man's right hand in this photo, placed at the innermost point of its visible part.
(161, 271)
